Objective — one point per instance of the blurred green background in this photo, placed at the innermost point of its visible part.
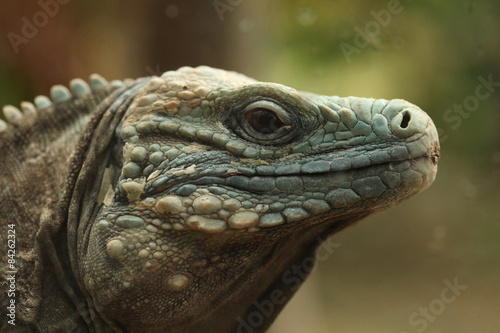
(436, 54)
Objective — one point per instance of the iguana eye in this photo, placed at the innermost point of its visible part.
(263, 120)
(267, 122)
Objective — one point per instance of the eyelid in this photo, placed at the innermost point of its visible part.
(281, 113)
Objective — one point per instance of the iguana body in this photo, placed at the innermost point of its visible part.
(181, 203)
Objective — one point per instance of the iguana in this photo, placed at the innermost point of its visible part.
(186, 202)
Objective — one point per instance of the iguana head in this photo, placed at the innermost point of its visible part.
(217, 185)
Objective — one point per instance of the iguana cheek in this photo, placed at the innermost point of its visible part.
(207, 225)
(115, 248)
(206, 212)
(243, 220)
(169, 205)
(177, 282)
(206, 204)
(134, 189)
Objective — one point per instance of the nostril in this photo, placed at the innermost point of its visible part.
(406, 119)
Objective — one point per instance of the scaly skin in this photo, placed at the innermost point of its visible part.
(189, 198)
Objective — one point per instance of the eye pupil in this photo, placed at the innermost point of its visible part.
(263, 121)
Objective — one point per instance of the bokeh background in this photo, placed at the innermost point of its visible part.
(436, 54)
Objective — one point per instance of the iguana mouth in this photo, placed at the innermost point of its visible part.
(285, 183)
(241, 177)
(434, 153)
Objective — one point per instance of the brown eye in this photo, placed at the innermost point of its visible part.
(263, 121)
(266, 122)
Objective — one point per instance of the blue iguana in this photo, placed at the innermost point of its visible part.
(181, 203)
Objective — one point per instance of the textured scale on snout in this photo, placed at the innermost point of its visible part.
(210, 185)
